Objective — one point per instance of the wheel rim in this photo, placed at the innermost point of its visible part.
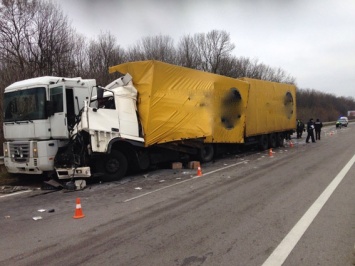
(112, 165)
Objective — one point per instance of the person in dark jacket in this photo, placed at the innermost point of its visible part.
(318, 127)
(300, 128)
(310, 130)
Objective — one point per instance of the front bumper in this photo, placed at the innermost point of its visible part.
(32, 166)
(68, 173)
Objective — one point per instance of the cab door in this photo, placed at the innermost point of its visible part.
(58, 121)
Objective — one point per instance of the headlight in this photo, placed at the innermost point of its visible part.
(34, 150)
(5, 149)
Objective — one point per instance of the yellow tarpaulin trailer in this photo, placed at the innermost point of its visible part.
(271, 107)
(228, 109)
(177, 103)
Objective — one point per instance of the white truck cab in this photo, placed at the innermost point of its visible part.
(101, 130)
(39, 114)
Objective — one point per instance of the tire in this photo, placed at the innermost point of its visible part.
(113, 166)
(272, 140)
(263, 142)
(206, 153)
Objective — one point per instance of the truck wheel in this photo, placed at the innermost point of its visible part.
(263, 142)
(272, 140)
(114, 166)
(206, 153)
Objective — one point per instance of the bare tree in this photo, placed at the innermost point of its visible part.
(51, 44)
(187, 53)
(213, 48)
(153, 48)
(16, 21)
(103, 53)
(245, 67)
(79, 58)
(36, 38)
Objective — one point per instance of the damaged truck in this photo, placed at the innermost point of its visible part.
(158, 112)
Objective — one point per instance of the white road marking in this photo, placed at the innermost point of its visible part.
(15, 193)
(178, 183)
(282, 251)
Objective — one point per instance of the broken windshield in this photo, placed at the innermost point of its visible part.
(25, 105)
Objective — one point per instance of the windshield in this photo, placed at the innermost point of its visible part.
(25, 104)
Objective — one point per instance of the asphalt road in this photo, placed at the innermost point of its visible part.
(295, 207)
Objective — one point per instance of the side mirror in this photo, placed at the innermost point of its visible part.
(99, 96)
(100, 93)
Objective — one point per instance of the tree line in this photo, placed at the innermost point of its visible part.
(37, 39)
(325, 106)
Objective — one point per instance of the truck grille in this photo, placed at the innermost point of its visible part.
(20, 152)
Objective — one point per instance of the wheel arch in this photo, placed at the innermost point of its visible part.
(125, 147)
(134, 151)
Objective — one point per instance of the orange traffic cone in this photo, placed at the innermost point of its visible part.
(78, 211)
(270, 152)
(291, 144)
(199, 172)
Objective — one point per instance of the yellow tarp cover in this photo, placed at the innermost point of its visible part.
(177, 103)
(228, 108)
(271, 107)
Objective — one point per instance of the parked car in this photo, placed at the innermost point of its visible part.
(342, 122)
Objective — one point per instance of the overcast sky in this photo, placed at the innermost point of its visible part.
(312, 40)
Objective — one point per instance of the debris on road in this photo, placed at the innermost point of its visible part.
(80, 184)
(12, 189)
(52, 185)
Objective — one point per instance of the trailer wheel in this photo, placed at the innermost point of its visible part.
(263, 142)
(114, 166)
(272, 140)
(206, 153)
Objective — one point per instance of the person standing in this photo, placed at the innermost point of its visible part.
(318, 127)
(300, 128)
(310, 130)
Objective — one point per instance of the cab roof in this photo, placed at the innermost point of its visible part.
(47, 80)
